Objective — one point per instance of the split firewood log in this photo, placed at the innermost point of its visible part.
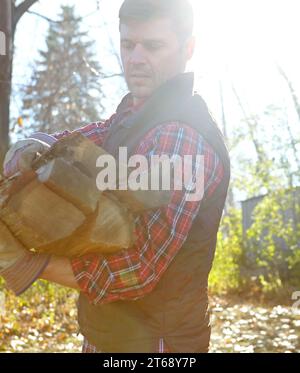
(106, 231)
(78, 151)
(70, 183)
(57, 208)
(36, 215)
(83, 154)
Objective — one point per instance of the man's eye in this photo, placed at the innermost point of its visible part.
(127, 45)
(153, 46)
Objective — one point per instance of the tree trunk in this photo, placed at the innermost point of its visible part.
(9, 18)
(5, 75)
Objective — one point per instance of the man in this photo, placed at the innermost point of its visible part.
(153, 296)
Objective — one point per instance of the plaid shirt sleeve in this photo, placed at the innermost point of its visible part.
(132, 273)
(94, 131)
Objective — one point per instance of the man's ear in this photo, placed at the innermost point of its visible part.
(190, 47)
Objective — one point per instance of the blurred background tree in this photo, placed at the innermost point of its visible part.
(65, 89)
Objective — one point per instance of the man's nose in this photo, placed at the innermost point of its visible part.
(138, 55)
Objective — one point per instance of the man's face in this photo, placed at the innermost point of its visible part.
(151, 54)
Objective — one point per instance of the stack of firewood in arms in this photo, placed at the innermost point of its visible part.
(57, 208)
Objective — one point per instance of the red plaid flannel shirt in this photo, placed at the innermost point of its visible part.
(134, 272)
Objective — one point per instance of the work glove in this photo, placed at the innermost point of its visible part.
(23, 153)
(19, 267)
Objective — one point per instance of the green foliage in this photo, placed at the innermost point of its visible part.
(225, 274)
(265, 258)
(273, 241)
(265, 158)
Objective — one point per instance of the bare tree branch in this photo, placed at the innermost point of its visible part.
(42, 16)
(100, 74)
(112, 47)
(108, 76)
(20, 10)
(259, 151)
(293, 141)
(291, 88)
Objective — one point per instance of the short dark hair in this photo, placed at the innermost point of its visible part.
(179, 11)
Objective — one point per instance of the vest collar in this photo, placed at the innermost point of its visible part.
(166, 97)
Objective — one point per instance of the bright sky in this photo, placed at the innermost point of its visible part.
(239, 43)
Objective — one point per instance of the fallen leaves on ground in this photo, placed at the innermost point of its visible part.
(39, 325)
(245, 327)
(48, 324)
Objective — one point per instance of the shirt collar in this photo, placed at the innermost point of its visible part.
(181, 84)
(127, 106)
